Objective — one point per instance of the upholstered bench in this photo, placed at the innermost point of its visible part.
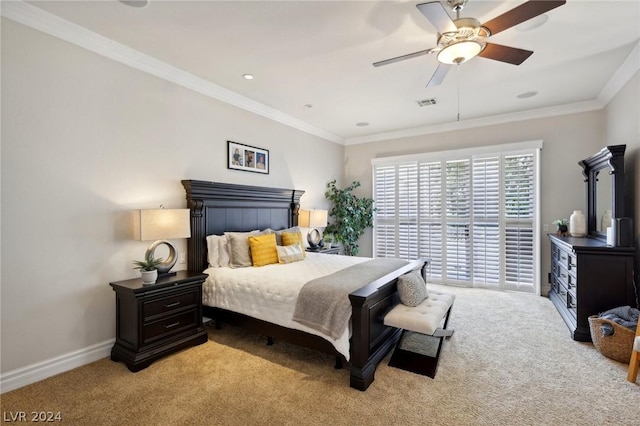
(425, 320)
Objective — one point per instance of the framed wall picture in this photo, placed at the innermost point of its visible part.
(247, 158)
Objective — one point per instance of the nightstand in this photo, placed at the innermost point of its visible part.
(158, 319)
(332, 250)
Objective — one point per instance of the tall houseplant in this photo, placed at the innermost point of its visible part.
(351, 216)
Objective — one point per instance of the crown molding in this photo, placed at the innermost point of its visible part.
(628, 69)
(480, 122)
(53, 25)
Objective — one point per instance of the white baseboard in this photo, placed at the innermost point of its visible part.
(39, 371)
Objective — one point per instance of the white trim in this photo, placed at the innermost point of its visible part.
(48, 23)
(627, 70)
(456, 153)
(41, 370)
(533, 114)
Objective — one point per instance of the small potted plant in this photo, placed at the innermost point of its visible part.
(148, 269)
(563, 226)
(327, 239)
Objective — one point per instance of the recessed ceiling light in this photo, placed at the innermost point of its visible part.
(308, 106)
(532, 23)
(526, 95)
(135, 3)
(248, 76)
(362, 124)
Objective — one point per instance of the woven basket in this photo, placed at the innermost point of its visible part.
(618, 346)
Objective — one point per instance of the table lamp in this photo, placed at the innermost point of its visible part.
(161, 225)
(313, 219)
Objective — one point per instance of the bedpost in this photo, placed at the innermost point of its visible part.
(295, 206)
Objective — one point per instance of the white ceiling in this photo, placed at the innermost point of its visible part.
(320, 53)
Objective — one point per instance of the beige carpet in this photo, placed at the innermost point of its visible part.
(510, 362)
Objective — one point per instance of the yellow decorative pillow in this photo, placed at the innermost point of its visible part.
(289, 238)
(263, 249)
(289, 254)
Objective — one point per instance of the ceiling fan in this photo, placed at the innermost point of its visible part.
(464, 38)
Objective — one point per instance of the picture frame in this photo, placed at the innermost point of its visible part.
(247, 158)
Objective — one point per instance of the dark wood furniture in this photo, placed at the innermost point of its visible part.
(219, 207)
(324, 250)
(158, 319)
(589, 277)
(605, 183)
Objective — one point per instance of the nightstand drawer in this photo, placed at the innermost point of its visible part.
(167, 305)
(167, 326)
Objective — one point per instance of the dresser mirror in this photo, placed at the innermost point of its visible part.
(604, 175)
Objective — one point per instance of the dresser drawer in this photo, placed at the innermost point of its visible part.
(170, 304)
(165, 327)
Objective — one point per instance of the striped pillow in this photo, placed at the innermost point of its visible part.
(289, 254)
(263, 249)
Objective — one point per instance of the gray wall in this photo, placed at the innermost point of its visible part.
(85, 140)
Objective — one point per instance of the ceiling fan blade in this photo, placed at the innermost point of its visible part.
(522, 13)
(401, 58)
(439, 75)
(438, 16)
(511, 55)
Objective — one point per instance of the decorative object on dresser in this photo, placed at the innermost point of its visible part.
(247, 158)
(313, 219)
(162, 225)
(587, 275)
(562, 227)
(577, 225)
(155, 320)
(148, 269)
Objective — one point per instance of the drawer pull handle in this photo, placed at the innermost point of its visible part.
(172, 325)
(171, 305)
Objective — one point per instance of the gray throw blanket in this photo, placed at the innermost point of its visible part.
(626, 316)
(324, 305)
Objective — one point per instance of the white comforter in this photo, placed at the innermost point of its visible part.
(270, 292)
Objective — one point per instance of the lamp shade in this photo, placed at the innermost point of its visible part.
(162, 224)
(312, 218)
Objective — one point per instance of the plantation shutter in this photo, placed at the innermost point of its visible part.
(384, 195)
(458, 208)
(519, 202)
(472, 215)
(430, 217)
(486, 221)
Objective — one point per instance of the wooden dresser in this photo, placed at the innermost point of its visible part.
(588, 277)
(155, 320)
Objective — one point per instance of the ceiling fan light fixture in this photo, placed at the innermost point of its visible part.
(459, 52)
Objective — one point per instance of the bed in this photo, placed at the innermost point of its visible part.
(220, 207)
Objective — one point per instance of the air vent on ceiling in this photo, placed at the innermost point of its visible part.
(425, 102)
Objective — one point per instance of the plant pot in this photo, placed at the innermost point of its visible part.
(562, 228)
(149, 277)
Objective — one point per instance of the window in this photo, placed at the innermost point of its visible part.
(472, 213)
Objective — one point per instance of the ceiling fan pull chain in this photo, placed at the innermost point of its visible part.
(458, 78)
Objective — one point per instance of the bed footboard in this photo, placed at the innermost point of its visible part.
(371, 340)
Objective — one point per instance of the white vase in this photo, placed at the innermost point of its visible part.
(577, 224)
(606, 221)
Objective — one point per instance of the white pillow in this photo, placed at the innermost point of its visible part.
(412, 289)
(213, 249)
(289, 254)
(223, 246)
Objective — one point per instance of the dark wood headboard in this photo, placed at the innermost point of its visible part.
(219, 207)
